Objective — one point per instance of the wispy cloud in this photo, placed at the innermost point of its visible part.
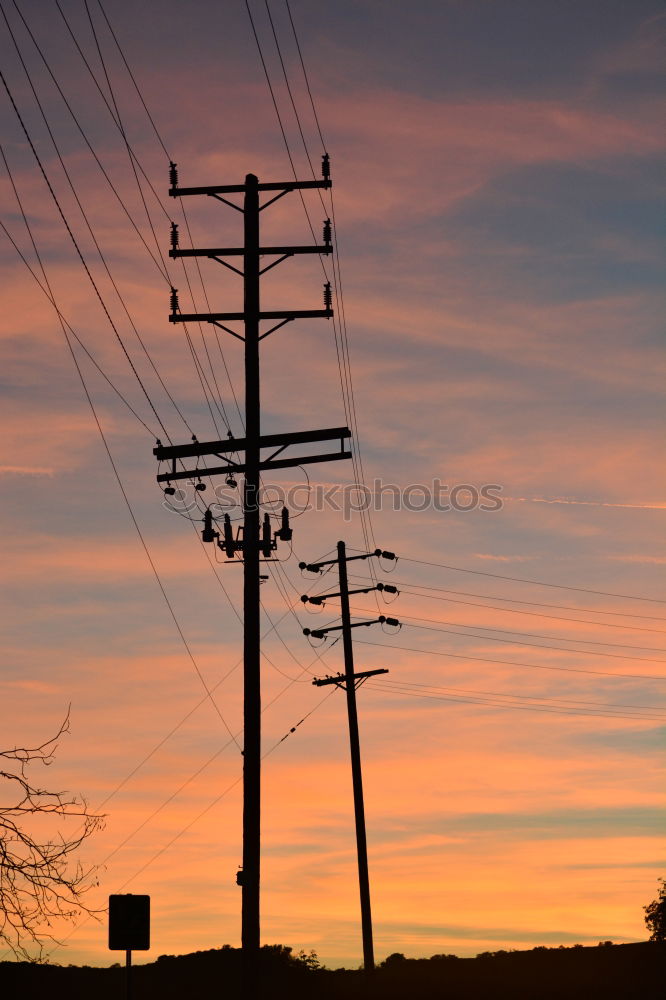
(586, 503)
(26, 470)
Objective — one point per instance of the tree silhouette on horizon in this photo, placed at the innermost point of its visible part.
(655, 914)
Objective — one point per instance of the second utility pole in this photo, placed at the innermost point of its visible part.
(355, 752)
(349, 681)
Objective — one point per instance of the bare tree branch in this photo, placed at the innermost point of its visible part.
(40, 882)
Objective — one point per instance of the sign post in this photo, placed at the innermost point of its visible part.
(129, 929)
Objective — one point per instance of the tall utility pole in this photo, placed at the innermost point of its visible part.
(349, 682)
(257, 538)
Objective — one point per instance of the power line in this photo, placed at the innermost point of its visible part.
(536, 583)
(344, 354)
(513, 663)
(72, 332)
(305, 75)
(218, 798)
(339, 327)
(133, 159)
(187, 225)
(534, 604)
(527, 697)
(201, 702)
(395, 688)
(85, 138)
(131, 75)
(590, 642)
(289, 91)
(115, 117)
(620, 656)
(167, 737)
(80, 254)
(134, 162)
(123, 134)
(207, 809)
(534, 614)
(110, 456)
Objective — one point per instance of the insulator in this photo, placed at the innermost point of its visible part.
(305, 598)
(316, 634)
(231, 482)
(229, 543)
(174, 235)
(174, 300)
(327, 231)
(200, 487)
(310, 567)
(285, 533)
(208, 534)
(388, 555)
(173, 175)
(328, 297)
(389, 588)
(326, 167)
(392, 621)
(266, 536)
(169, 490)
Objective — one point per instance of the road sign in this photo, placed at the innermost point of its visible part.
(129, 923)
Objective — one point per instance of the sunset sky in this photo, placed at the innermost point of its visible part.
(497, 176)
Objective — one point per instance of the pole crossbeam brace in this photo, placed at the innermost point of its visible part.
(316, 567)
(325, 248)
(223, 470)
(320, 598)
(319, 633)
(213, 189)
(340, 679)
(196, 449)
(227, 316)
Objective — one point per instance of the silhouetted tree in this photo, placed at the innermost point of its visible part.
(394, 960)
(655, 915)
(309, 960)
(39, 881)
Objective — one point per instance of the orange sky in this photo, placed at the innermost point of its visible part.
(496, 191)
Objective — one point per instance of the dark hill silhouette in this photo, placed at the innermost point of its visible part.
(611, 972)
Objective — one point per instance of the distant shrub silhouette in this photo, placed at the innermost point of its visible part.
(397, 958)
